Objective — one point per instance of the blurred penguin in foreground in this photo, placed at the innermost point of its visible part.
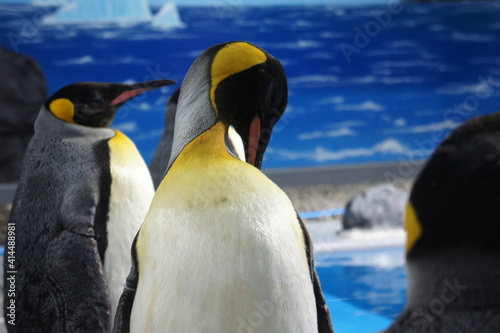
(453, 247)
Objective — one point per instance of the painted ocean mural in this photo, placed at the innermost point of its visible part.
(368, 83)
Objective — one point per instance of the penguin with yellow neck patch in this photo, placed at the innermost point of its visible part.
(453, 247)
(83, 192)
(222, 248)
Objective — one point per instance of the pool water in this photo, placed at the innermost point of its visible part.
(365, 289)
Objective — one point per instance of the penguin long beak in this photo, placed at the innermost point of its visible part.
(254, 154)
(133, 90)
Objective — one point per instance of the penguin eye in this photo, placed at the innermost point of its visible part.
(94, 103)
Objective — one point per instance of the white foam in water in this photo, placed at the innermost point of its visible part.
(168, 17)
(329, 237)
(109, 11)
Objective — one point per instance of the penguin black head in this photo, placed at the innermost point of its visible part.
(455, 201)
(95, 104)
(249, 91)
(238, 84)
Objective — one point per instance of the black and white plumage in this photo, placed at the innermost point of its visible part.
(221, 241)
(453, 250)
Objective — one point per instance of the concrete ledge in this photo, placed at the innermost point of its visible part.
(346, 174)
(7, 192)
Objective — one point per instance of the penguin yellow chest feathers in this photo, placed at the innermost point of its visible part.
(131, 194)
(222, 246)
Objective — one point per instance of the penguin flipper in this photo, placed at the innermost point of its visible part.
(81, 299)
(324, 319)
(74, 273)
(124, 309)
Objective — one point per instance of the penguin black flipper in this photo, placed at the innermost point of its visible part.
(81, 305)
(124, 309)
(324, 318)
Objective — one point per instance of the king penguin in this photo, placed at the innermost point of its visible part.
(83, 193)
(222, 249)
(160, 159)
(453, 247)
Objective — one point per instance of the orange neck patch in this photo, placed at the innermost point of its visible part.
(413, 227)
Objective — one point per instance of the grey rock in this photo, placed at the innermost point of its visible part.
(382, 206)
(22, 92)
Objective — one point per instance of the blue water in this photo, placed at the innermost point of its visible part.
(365, 289)
(418, 72)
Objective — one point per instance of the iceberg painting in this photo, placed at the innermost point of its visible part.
(110, 11)
(168, 17)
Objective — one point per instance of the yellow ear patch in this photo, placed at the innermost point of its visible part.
(413, 227)
(231, 59)
(63, 109)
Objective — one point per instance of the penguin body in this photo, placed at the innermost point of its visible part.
(227, 236)
(67, 209)
(452, 246)
(222, 248)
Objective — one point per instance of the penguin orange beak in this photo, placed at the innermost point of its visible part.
(253, 142)
(133, 90)
(255, 131)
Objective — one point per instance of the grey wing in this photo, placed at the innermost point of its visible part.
(124, 310)
(324, 318)
(74, 272)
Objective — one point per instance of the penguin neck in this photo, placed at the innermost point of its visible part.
(46, 124)
(455, 278)
(205, 159)
(122, 145)
(206, 149)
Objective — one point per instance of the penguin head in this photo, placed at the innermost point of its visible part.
(95, 104)
(455, 201)
(248, 91)
(239, 84)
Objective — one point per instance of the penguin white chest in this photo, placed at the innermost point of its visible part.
(230, 257)
(131, 194)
